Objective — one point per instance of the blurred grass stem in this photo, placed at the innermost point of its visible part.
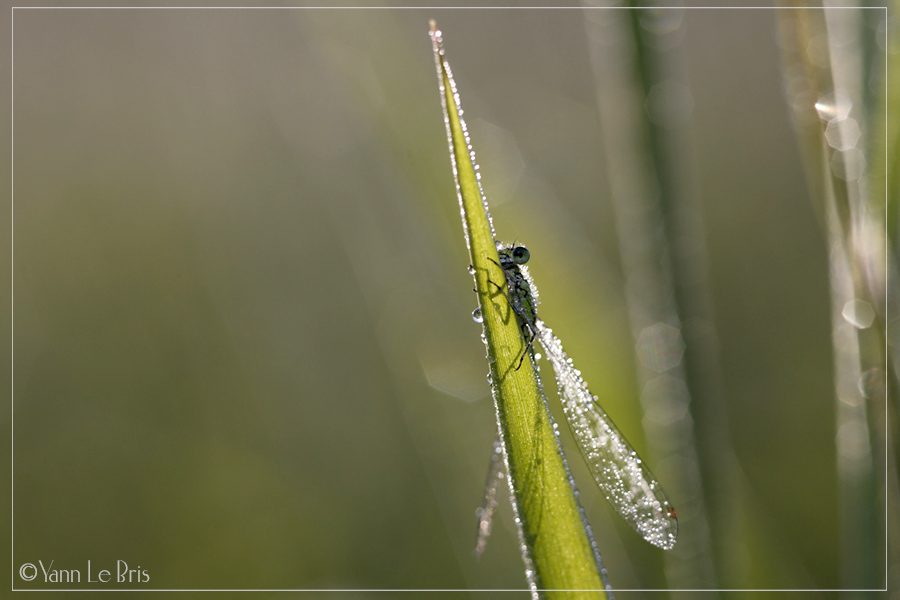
(636, 65)
(829, 100)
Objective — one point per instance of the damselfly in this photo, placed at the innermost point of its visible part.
(619, 472)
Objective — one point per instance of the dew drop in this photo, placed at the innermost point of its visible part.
(833, 106)
(871, 383)
(471, 269)
(477, 316)
(842, 134)
(660, 347)
(858, 313)
(849, 165)
(853, 440)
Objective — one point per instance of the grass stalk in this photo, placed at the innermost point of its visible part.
(829, 102)
(665, 285)
(556, 543)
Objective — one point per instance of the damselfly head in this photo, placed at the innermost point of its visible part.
(517, 255)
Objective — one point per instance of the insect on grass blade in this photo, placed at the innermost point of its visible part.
(625, 481)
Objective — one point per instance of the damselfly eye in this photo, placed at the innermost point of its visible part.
(520, 255)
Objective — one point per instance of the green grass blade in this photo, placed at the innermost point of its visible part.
(558, 550)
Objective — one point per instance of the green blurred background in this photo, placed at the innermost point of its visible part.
(244, 355)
